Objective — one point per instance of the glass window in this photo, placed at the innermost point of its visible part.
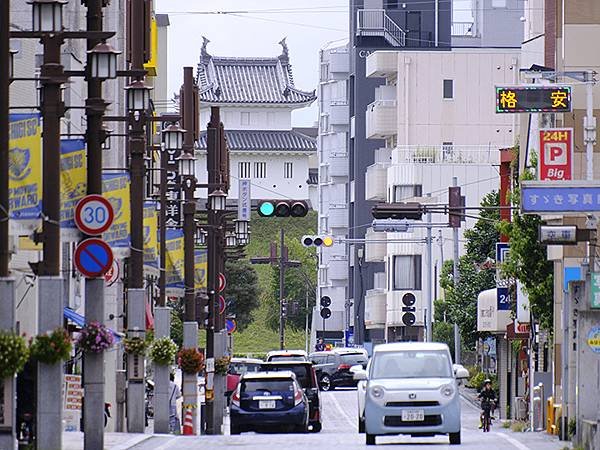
(354, 358)
(407, 272)
(244, 170)
(288, 170)
(448, 89)
(403, 192)
(270, 385)
(411, 364)
(260, 170)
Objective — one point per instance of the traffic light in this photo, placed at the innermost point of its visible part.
(317, 241)
(408, 309)
(282, 208)
(325, 302)
(455, 204)
(284, 309)
(202, 310)
(412, 210)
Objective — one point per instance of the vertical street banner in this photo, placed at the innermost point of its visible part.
(73, 177)
(150, 236)
(245, 199)
(25, 167)
(115, 188)
(556, 154)
(175, 258)
(200, 268)
(174, 198)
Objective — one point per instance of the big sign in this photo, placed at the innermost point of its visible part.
(556, 154)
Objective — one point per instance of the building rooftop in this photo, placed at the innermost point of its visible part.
(249, 140)
(258, 80)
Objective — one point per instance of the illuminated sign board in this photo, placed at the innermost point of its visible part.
(533, 98)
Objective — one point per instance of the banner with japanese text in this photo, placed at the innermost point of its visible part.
(116, 190)
(73, 174)
(150, 236)
(175, 258)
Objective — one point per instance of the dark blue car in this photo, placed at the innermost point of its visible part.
(269, 401)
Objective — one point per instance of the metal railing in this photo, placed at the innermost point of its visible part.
(375, 22)
(463, 29)
(449, 154)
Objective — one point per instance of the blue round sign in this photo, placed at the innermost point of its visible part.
(93, 257)
(231, 325)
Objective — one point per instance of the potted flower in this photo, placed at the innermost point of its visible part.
(135, 346)
(190, 360)
(95, 338)
(51, 347)
(222, 365)
(13, 354)
(163, 351)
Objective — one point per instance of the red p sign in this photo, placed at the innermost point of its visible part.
(556, 154)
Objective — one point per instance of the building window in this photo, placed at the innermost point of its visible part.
(448, 89)
(324, 71)
(498, 3)
(288, 170)
(324, 123)
(404, 192)
(244, 170)
(260, 170)
(447, 151)
(407, 272)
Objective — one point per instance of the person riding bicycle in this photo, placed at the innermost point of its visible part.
(488, 400)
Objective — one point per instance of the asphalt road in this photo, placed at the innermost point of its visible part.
(340, 431)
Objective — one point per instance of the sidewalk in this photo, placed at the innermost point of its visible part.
(114, 441)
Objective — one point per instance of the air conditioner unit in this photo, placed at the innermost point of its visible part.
(405, 308)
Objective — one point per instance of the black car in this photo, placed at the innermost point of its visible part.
(307, 378)
(333, 367)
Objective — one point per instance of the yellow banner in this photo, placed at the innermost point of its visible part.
(175, 258)
(73, 177)
(116, 190)
(25, 167)
(200, 268)
(150, 235)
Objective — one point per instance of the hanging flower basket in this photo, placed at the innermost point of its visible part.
(135, 346)
(163, 351)
(95, 338)
(222, 365)
(190, 360)
(13, 354)
(52, 347)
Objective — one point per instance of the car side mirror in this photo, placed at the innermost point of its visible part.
(359, 375)
(461, 373)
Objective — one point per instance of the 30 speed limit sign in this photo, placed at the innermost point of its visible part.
(93, 215)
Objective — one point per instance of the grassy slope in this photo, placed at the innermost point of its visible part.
(258, 338)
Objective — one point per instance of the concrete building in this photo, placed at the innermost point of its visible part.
(256, 97)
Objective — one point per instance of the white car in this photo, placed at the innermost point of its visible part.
(287, 355)
(410, 388)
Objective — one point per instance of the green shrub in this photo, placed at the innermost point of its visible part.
(476, 381)
(572, 427)
(519, 426)
(506, 424)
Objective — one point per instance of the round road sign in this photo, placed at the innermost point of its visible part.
(112, 275)
(221, 304)
(231, 325)
(94, 215)
(222, 283)
(93, 257)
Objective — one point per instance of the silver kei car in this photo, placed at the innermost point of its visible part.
(411, 388)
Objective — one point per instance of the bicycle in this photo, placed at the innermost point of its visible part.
(486, 406)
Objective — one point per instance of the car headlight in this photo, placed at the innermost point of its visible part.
(377, 392)
(447, 390)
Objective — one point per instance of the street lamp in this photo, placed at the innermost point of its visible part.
(241, 227)
(217, 200)
(173, 137)
(103, 61)
(47, 15)
(11, 63)
(138, 96)
(230, 240)
(200, 237)
(187, 164)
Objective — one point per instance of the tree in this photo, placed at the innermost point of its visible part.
(461, 300)
(241, 293)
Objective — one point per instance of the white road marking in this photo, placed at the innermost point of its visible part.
(342, 412)
(513, 441)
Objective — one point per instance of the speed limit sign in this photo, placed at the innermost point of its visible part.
(93, 215)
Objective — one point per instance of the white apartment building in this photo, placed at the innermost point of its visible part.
(333, 186)
(256, 97)
(436, 113)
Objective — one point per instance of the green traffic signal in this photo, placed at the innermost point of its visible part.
(266, 209)
(282, 208)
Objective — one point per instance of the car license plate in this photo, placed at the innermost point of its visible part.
(266, 404)
(413, 415)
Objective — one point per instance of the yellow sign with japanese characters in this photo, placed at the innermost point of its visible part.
(533, 98)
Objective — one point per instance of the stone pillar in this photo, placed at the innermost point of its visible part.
(162, 326)
(8, 386)
(190, 381)
(136, 389)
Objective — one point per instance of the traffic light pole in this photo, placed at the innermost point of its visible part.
(456, 277)
(282, 263)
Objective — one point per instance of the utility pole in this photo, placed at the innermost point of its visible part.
(7, 283)
(428, 291)
(282, 262)
(589, 127)
(456, 277)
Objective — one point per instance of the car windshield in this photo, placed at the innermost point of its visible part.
(268, 385)
(301, 372)
(240, 368)
(354, 358)
(287, 358)
(411, 364)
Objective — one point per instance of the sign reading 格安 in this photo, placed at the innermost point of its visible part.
(595, 291)
(533, 98)
(556, 154)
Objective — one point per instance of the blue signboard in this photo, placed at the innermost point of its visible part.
(502, 249)
(563, 197)
(503, 299)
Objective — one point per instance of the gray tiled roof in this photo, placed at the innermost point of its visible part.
(224, 80)
(240, 140)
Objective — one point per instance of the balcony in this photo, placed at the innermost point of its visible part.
(382, 119)
(339, 62)
(375, 248)
(463, 29)
(376, 182)
(375, 309)
(338, 216)
(339, 113)
(338, 165)
(382, 64)
(447, 154)
(376, 23)
(337, 269)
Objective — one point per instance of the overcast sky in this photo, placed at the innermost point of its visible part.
(308, 25)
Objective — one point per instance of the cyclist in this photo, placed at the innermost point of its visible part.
(488, 401)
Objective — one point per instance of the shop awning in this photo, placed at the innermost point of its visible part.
(79, 320)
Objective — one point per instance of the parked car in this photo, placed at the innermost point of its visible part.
(307, 378)
(237, 368)
(269, 401)
(411, 388)
(361, 389)
(333, 367)
(287, 355)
